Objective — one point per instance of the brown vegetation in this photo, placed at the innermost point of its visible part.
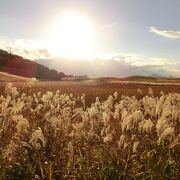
(92, 89)
(55, 135)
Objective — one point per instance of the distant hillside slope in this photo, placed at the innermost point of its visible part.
(151, 79)
(140, 79)
(14, 64)
(5, 77)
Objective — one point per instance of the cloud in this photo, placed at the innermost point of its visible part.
(26, 48)
(114, 65)
(168, 34)
(121, 65)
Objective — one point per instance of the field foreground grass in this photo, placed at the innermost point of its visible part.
(89, 130)
(101, 88)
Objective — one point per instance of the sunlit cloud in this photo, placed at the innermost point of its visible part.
(121, 65)
(109, 64)
(26, 48)
(166, 33)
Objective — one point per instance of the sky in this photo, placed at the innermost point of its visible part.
(144, 35)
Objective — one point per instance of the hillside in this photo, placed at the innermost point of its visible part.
(140, 79)
(5, 77)
(16, 65)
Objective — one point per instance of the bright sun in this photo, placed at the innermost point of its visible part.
(72, 36)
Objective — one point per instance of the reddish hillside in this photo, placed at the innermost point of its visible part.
(14, 64)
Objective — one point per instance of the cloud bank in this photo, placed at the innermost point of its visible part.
(114, 65)
(168, 34)
(117, 66)
(26, 48)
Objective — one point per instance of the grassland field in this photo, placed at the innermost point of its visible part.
(97, 88)
(88, 129)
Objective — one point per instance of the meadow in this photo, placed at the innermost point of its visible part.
(89, 130)
(101, 88)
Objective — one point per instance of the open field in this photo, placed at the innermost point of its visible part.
(5, 77)
(89, 130)
(89, 90)
(98, 87)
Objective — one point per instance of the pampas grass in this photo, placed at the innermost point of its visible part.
(57, 136)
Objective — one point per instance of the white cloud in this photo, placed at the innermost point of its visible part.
(121, 65)
(168, 34)
(106, 65)
(26, 48)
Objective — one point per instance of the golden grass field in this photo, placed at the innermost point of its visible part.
(101, 87)
(89, 129)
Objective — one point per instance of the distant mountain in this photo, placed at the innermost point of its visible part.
(16, 65)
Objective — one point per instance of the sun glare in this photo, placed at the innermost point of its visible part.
(72, 36)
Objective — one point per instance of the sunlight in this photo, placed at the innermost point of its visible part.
(72, 36)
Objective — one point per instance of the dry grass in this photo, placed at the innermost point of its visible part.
(5, 77)
(95, 88)
(53, 135)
